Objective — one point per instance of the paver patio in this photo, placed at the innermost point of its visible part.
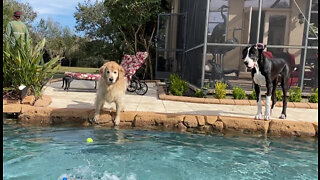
(82, 95)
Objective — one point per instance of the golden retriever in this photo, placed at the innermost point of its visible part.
(111, 88)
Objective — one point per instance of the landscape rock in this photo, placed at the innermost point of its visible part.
(291, 128)
(201, 120)
(44, 101)
(28, 100)
(190, 121)
(245, 125)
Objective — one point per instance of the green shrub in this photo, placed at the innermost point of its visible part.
(199, 93)
(220, 90)
(295, 95)
(252, 96)
(178, 86)
(238, 93)
(279, 95)
(24, 64)
(314, 96)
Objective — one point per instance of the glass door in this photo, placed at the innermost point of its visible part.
(170, 42)
(276, 28)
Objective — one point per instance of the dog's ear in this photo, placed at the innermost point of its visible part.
(102, 69)
(121, 71)
(245, 51)
(261, 46)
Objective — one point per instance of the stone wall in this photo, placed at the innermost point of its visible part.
(166, 121)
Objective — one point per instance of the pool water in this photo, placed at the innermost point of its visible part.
(52, 153)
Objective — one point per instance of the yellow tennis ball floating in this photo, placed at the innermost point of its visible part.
(89, 140)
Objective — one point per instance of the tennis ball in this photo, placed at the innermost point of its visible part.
(89, 140)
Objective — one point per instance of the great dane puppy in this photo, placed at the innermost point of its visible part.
(267, 72)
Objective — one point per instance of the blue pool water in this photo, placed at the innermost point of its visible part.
(52, 153)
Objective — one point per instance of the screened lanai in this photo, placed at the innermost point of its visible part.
(202, 41)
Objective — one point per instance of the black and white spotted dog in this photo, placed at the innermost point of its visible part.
(267, 72)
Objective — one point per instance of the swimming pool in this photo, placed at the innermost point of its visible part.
(57, 152)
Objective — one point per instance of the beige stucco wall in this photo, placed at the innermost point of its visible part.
(172, 27)
(296, 29)
(232, 59)
(171, 38)
(174, 6)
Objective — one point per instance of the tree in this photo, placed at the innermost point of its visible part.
(102, 40)
(52, 31)
(69, 44)
(7, 14)
(113, 28)
(92, 19)
(136, 20)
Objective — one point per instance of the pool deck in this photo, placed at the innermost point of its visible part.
(82, 94)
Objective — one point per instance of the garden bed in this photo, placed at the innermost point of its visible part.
(180, 90)
(228, 100)
(44, 101)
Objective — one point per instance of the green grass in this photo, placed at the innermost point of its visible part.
(63, 69)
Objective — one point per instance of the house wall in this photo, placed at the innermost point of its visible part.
(296, 29)
(174, 6)
(233, 58)
(171, 35)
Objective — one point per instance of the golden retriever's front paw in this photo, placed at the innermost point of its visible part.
(116, 121)
(95, 119)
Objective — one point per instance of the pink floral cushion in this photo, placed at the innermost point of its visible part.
(83, 76)
(131, 63)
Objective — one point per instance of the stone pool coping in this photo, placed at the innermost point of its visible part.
(166, 121)
(163, 96)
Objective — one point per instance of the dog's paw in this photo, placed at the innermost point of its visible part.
(116, 121)
(283, 116)
(95, 119)
(258, 116)
(266, 118)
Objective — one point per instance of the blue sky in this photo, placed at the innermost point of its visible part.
(59, 10)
